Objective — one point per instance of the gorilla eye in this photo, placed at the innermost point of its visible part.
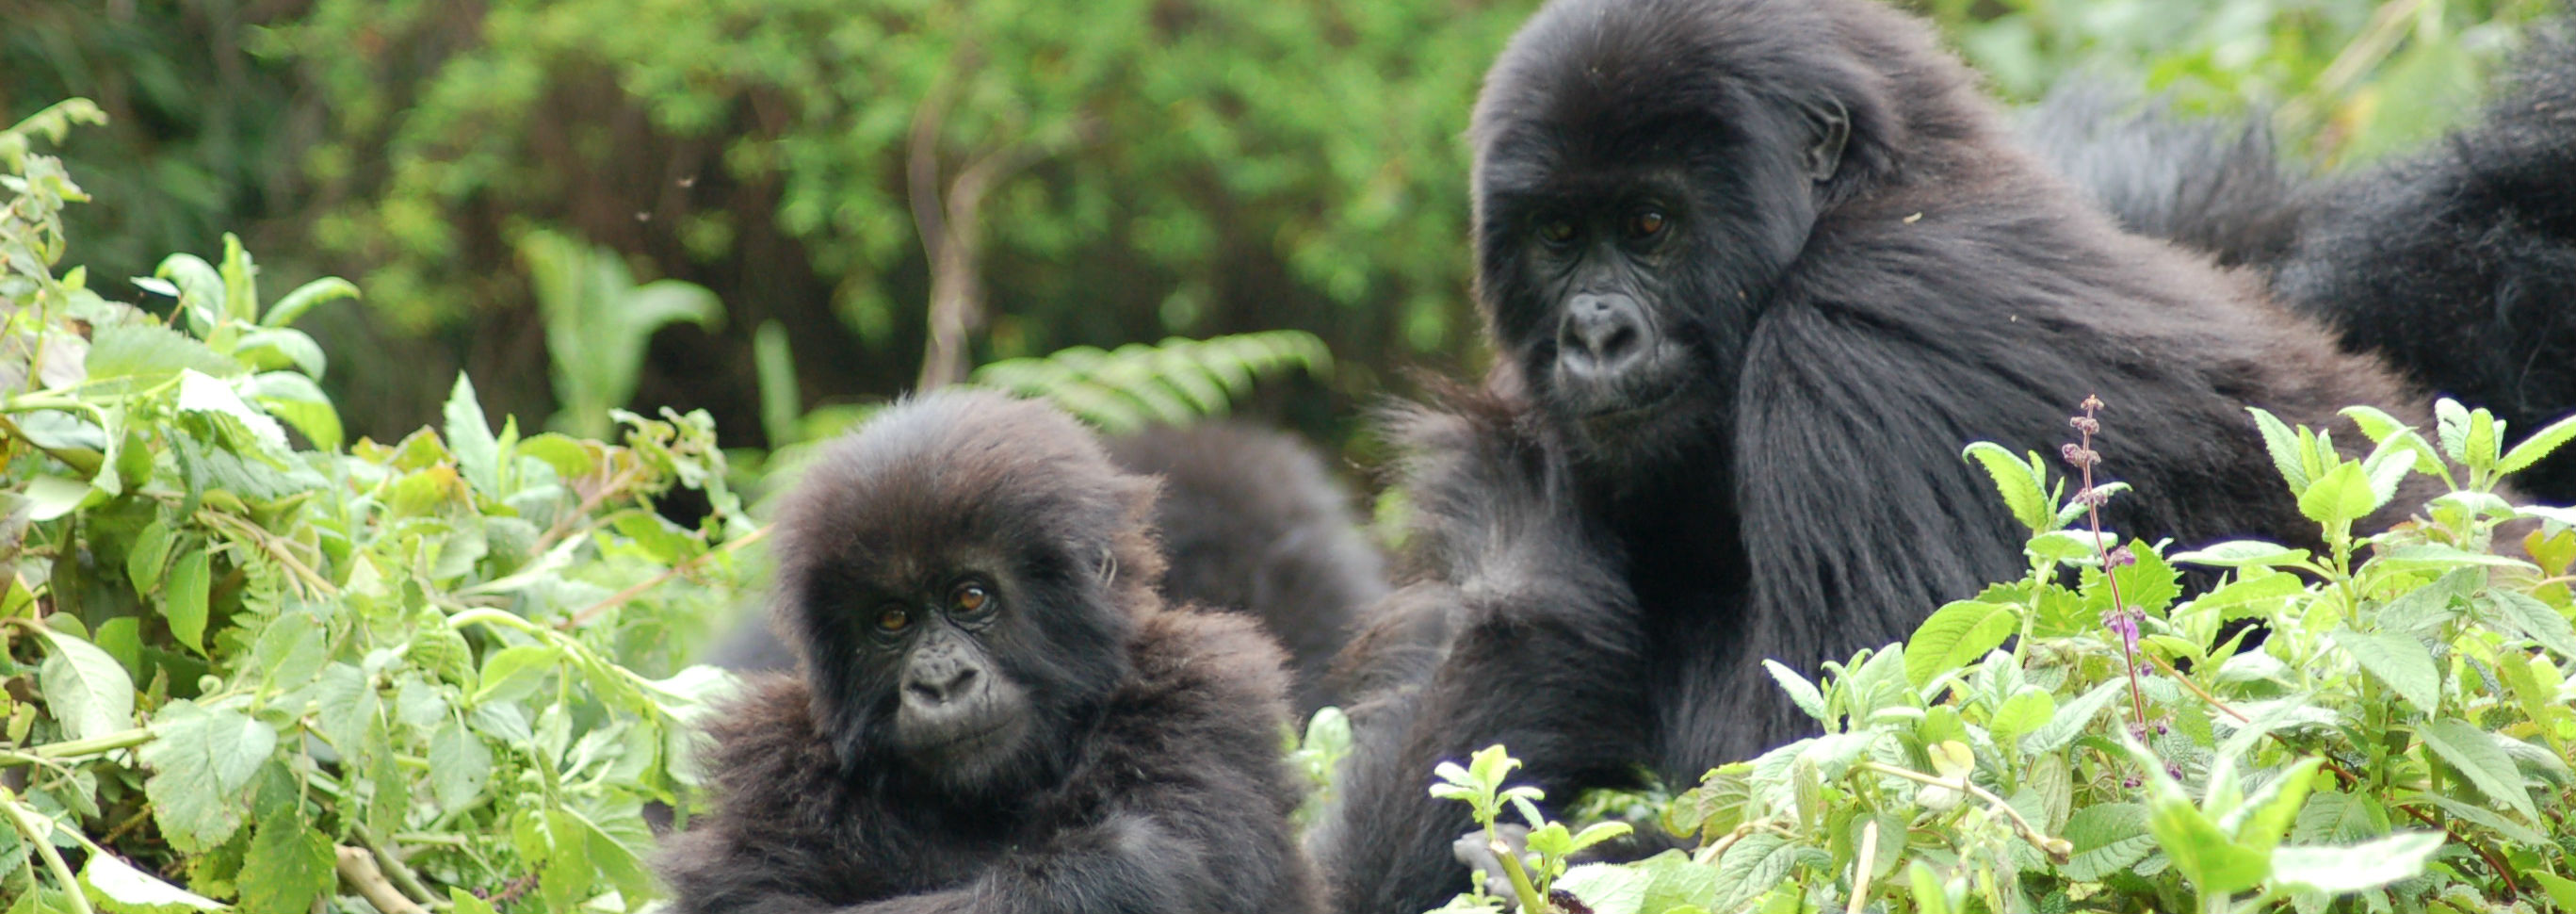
(893, 619)
(1555, 230)
(1645, 224)
(970, 598)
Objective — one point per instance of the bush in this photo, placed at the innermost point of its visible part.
(2398, 740)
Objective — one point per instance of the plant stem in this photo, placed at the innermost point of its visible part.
(23, 819)
(2057, 849)
(1530, 900)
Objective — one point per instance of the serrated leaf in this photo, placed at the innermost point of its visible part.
(2019, 486)
(2283, 447)
(1955, 636)
(1751, 867)
(185, 605)
(288, 864)
(2451, 427)
(1801, 692)
(2541, 444)
(2533, 619)
(2024, 712)
(1607, 889)
(2071, 719)
(120, 884)
(459, 766)
(86, 690)
(2478, 758)
(2361, 867)
(2107, 838)
(2343, 495)
(513, 673)
(2399, 661)
(201, 759)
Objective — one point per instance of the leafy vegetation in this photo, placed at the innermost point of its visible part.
(2389, 733)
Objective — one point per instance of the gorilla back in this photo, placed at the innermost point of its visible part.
(1756, 272)
(997, 712)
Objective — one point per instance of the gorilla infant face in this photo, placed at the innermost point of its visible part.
(1632, 218)
(962, 576)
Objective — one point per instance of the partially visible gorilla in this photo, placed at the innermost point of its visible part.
(1251, 520)
(997, 712)
(1756, 271)
(2456, 263)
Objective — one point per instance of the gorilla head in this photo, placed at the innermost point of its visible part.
(963, 576)
(1645, 172)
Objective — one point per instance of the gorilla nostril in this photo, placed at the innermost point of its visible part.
(939, 689)
(1601, 334)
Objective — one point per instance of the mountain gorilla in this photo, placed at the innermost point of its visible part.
(1251, 520)
(1756, 271)
(998, 714)
(2457, 263)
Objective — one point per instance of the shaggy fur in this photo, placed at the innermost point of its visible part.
(1151, 778)
(1763, 460)
(1251, 520)
(2457, 264)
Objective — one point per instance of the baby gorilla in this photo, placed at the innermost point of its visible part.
(999, 715)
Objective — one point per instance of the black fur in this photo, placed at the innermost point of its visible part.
(1140, 765)
(1251, 520)
(2456, 264)
(1732, 431)
(2211, 184)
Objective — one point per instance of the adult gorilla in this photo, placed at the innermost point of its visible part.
(1757, 270)
(2457, 263)
(996, 713)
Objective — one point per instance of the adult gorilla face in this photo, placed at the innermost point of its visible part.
(961, 624)
(1631, 224)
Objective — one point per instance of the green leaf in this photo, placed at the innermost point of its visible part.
(2020, 486)
(185, 605)
(86, 690)
(2024, 712)
(2071, 720)
(469, 437)
(2251, 596)
(202, 758)
(2562, 891)
(2484, 763)
(287, 309)
(241, 287)
(2451, 426)
(2243, 554)
(2399, 661)
(150, 553)
(1754, 865)
(2214, 862)
(2533, 619)
(120, 885)
(1607, 888)
(1673, 881)
(2341, 496)
(1801, 692)
(513, 673)
(296, 399)
(200, 393)
(201, 289)
(459, 766)
(273, 349)
(288, 865)
(2541, 443)
(2361, 867)
(54, 497)
(2108, 838)
(1955, 636)
(2283, 446)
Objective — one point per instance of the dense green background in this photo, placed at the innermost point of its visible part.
(1189, 167)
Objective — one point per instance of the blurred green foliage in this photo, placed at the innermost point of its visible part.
(1160, 167)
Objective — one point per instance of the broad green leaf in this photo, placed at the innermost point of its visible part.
(296, 399)
(2243, 554)
(2533, 619)
(294, 304)
(2361, 867)
(1751, 867)
(202, 758)
(1606, 888)
(2072, 718)
(513, 673)
(1955, 636)
(459, 766)
(291, 649)
(2478, 447)
(1801, 692)
(2021, 487)
(2214, 862)
(186, 604)
(2399, 661)
(201, 289)
(1673, 880)
(120, 885)
(2253, 595)
(288, 865)
(86, 690)
(278, 348)
(2024, 712)
(2108, 838)
(2339, 818)
(53, 497)
(2478, 758)
(150, 553)
(2562, 891)
(2265, 816)
(200, 393)
(2341, 496)
(345, 703)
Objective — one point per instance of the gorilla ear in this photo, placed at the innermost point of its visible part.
(1831, 126)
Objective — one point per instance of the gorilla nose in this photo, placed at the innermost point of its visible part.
(1602, 337)
(939, 684)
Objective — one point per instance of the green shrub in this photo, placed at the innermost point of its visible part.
(2399, 740)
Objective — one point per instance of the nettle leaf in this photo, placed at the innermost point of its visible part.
(1801, 692)
(2541, 443)
(288, 865)
(2399, 661)
(1753, 866)
(86, 690)
(2284, 448)
(2108, 838)
(2024, 712)
(2357, 868)
(2072, 719)
(1955, 636)
(2518, 612)
(2020, 485)
(2478, 758)
(150, 353)
(459, 766)
(1673, 880)
(2343, 495)
(1607, 888)
(202, 758)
